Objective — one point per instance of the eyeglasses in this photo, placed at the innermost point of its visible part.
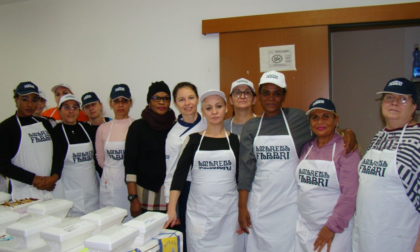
(401, 99)
(238, 93)
(122, 100)
(68, 107)
(158, 99)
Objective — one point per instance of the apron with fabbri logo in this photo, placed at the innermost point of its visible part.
(212, 208)
(79, 177)
(272, 200)
(385, 219)
(319, 190)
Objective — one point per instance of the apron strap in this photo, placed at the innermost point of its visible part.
(333, 152)
(199, 145)
(308, 152)
(110, 130)
(20, 125)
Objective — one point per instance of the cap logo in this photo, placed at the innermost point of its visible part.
(87, 97)
(272, 76)
(29, 86)
(242, 81)
(318, 102)
(119, 89)
(395, 83)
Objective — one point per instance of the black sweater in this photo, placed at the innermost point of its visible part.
(145, 155)
(9, 144)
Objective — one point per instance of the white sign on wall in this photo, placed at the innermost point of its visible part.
(277, 58)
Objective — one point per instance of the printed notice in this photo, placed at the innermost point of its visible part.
(277, 58)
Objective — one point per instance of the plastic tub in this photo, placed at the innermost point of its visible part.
(4, 197)
(116, 239)
(55, 207)
(160, 243)
(7, 218)
(72, 232)
(149, 225)
(105, 218)
(21, 208)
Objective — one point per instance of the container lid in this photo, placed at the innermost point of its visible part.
(148, 221)
(112, 237)
(8, 216)
(32, 225)
(68, 229)
(105, 215)
(4, 197)
(50, 206)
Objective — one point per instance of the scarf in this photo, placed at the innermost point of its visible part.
(158, 122)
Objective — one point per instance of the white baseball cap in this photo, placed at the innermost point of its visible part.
(42, 94)
(61, 85)
(242, 81)
(212, 92)
(273, 77)
(68, 97)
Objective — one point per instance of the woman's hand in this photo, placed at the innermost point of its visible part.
(325, 236)
(172, 218)
(350, 141)
(244, 220)
(135, 207)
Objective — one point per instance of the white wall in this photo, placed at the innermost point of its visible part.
(93, 44)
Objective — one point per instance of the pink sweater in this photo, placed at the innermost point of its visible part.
(118, 134)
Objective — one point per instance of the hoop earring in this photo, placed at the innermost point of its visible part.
(311, 131)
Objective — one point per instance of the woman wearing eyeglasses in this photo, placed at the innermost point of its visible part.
(110, 146)
(242, 98)
(144, 161)
(387, 207)
(78, 178)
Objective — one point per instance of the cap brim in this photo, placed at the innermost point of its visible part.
(211, 93)
(84, 104)
(309, 111)
(60, 85)
(112, 98)
(31, 92)
(269, 82)
(387, 92)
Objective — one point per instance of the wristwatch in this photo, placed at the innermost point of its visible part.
(131, 197)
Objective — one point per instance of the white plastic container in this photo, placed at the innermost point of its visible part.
(155, 244)
(26, 231)
(72, 232)
(149, 225)
(4, 197)
(55, 207)
(105, 218)
(22, 209)
(116, 239)
(7, 218)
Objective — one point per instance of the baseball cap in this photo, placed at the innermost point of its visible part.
(212, 92)
(120, 90)
(400, 86)
(25, 88)
(68, 97)
(60, 85)
(42, 94)
(322, 103)
(89, 97)
(242, 81)
(273, 77)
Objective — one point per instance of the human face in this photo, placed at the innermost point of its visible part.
(60, 91)
(69, 112)
(160, 105)
(395, 110)
(323, 123)
(40, 107)
(93, 110)
(121, 107)
(214, 109)
(271, 97)
(243, 101)
(26, 104)
(186, 101)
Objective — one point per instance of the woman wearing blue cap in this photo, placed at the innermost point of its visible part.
(28, 153)
(388, 202)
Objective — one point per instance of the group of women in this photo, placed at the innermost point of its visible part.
(243, 184)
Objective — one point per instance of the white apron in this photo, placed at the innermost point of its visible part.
(212, 208)
(385, 220)
(34, 155)
(79, 177)
(272, 200)
(319, 191)
(113, 189)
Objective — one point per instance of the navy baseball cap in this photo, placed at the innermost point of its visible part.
(26, 87)
(120, 90)
(400, 86)
(88, 98)
(322, 103)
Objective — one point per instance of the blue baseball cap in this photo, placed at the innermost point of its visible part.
(400, 86)
(89, 97)
(25, 88)
(322, 103)
(120, 90)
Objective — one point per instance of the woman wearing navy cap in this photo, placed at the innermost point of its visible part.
(28, 153)
(92, 107)
(388, 204)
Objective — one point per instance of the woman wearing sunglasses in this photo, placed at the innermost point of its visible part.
(144, 161)
(110, 146)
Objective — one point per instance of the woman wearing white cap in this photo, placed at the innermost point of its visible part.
(212, 207)
(388, 205)
(41, 104)
(78, 178)
(58, 91)
(28, 153)
(270, 149)
(110, 147)
(242, 98)
(327, 182)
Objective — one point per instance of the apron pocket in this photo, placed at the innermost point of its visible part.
(78, 199)
(106, 195)
(197, 218)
